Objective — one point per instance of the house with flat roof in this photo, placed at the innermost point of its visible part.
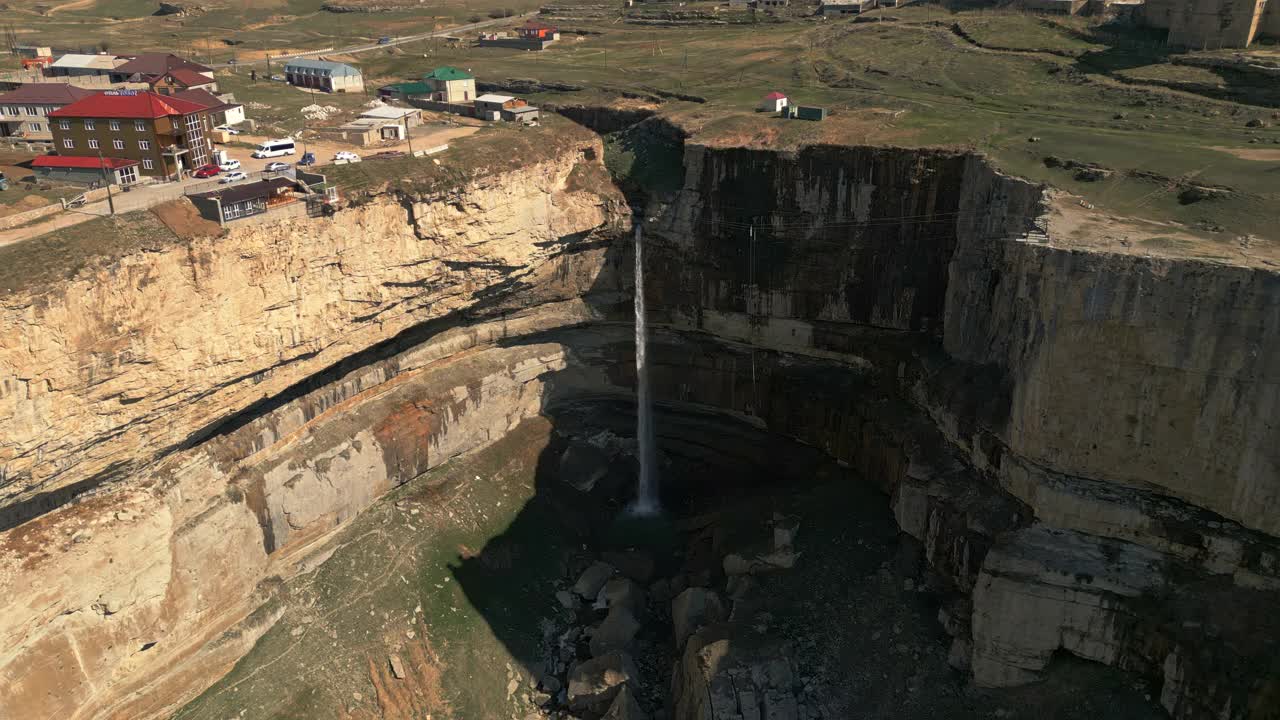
(77, 65)
(450, 85)
(24, 112)
(333, 77)
(164, 134)
(490, 105)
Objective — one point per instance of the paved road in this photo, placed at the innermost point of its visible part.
(398, 40)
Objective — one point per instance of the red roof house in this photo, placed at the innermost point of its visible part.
(65, 161)
(127, 104)
(534, 30)
(773, 102)
(175, 81)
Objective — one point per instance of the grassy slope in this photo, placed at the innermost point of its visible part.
(341, 622)
(951, 92)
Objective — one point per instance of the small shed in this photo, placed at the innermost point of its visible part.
(410, 117)
(491, 106)
(526, 114)
(804, 112)
(773, 102)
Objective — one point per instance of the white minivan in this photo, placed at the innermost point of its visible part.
(274, 148)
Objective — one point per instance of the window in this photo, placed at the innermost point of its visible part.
(139, 125)
(117, 144)
(88, 125)
(64, 124)
(68, 143)
(144, 144)
(147, 164)
(93, 144)
(115, 125)
(37, 127)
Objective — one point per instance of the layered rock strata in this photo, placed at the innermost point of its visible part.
(1049, 423)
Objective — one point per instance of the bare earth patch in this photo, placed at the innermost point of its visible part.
(1260, 154)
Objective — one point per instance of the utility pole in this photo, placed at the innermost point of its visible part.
(408, 135)
(102, 165)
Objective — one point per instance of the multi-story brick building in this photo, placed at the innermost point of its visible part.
(24, 111)
(166, 135)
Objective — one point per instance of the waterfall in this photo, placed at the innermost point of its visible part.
(647, 487)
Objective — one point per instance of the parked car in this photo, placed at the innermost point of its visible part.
(276, 166)
(233, 177)
(308, 159)
(384, 40)
(206, 171)
(229, 165)
(278, 78)
(346, 156)
(227, 129)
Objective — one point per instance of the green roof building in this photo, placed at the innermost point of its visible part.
(451, 85)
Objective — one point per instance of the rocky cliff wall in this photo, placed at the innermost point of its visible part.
(118, 366)
(874, 303)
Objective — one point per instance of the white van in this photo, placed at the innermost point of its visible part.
(275, 148)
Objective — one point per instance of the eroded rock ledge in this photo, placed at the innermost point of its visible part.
(1048, 423)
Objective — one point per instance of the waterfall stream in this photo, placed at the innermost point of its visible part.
(647, 488)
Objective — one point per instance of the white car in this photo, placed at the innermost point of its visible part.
(228, 129)
(229, 165)
(346, 156)
(233, 177)
(276, 167)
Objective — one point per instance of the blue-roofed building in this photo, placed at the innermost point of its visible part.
(324, 75)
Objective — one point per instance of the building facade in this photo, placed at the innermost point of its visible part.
(1213, 24)
(166, 135)
(324, 75)
(451, 85)
(24, 112)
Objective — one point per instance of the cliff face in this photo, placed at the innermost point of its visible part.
(115, 368)
(1049, 423)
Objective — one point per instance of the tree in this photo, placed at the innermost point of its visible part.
(104, 45)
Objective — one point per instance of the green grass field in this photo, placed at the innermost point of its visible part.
(1086, 93)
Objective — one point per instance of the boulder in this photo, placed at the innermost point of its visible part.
(582, 466)
(397, 667)
(634, 564)
(624, 592)
(616, 632)
(595, 683)
(692, 609)
(593, 579)
(735, 564)
(625, 707)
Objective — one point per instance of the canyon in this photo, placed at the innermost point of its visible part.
(1082, 441)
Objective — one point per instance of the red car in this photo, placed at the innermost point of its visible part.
(205, 171)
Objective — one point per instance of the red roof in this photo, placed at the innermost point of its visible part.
(185, 77)
(69, 161)
(128, 104)
(775, 96)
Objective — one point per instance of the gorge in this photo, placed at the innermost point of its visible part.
(1080, 443)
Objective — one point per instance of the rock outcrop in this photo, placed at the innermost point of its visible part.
(1081, 442)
